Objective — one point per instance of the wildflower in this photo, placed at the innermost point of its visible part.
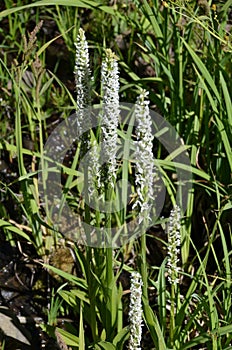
(135, 312)
(110, 117)
(83, 89)
(173, 232)
(144, 177)
(82, 79)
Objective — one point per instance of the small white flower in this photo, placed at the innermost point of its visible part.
(82, 79)
(144, 176)
(174, 241)
(135, 312)
(110, 116)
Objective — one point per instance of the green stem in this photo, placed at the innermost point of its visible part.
(109, 289)
(172, 315)
(89, 256)
(91, 292)
(109, 273)
(143, 266)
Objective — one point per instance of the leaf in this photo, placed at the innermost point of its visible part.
(104, 345)
(204, 71)
(161, 286)
(227, 97)
(223, 330)
(44, 47)
(201, 339)
(69, 298)
(120, 338)
(172, 165)
(69, 338)
(228, 206)
(225, 140)
(76, 280)
(81, 331)
(6, 225)
(227, 5)
(208, 93)
(147, 10)
(154, 327)
(76, 3)
(75, 293)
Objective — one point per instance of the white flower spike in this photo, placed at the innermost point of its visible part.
(82, 79)
(144, 176)
(110, 117)
(135, 312)
(174, 241)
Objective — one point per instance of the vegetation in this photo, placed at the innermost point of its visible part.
(180, 52)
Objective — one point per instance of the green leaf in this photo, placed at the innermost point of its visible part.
(225, 140)
(154, 326)
(201, 339)
(172, 165)
(69, 339)
(228, 206)
(104, 345)
(223, 330)
(227, 97)
(81, 331)
(76, 280)
(76, 3)
(204, 71)
(45, 46)
(147, 10)
(208, 93)
(161, 286)
(6, 225)
(227, 5)
(120, 338)
(75, 293)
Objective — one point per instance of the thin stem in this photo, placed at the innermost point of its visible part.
(109, 272)
(143, 265)
(172, 315)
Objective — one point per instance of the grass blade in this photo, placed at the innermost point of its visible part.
(204, 71)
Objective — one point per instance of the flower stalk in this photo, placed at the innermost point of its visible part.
(135, 312)
(82, 75)
(110, 117)
(144, 176)
(109, 136)
(174, 241)
(173, 232)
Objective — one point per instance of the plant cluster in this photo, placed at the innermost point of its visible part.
(171, 287)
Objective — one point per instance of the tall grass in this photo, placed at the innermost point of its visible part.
(181, 53)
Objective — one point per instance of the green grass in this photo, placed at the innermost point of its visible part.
(181, 54)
